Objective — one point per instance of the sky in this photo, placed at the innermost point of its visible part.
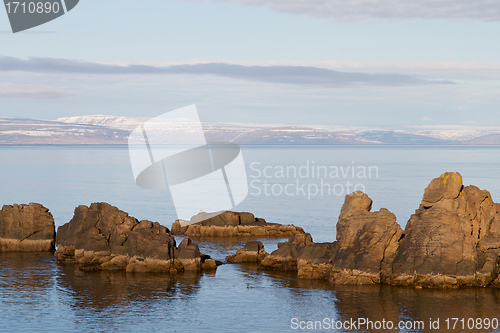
(362, 63)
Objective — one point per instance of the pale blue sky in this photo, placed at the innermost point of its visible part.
(427, 45)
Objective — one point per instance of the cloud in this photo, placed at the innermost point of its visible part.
(425, 118)
(298, 75)
(451, 70)
(10, 90)
(483, 10)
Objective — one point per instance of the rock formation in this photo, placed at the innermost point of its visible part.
(365, 243)
(452, 240)
(26, 228)
(253, 251)
(103, 237)
(232, 224)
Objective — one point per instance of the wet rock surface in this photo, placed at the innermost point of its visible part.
(26, 228)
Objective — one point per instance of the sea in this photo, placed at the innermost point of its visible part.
(300, 185)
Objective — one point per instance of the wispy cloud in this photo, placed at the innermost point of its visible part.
(10, 90)
(299, 75)
(484, 10)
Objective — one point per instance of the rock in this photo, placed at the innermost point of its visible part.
(26, 228)
(448, 241)
(252, 252)
(356, 202)
(232, 224)
(447, 186)
(189, 254)
(366, 241)
(209, 264)
(179, 227)
(452, 240)
(103, 237)
(225, 218)
(310, 260)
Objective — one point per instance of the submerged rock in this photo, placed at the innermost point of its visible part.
(103, 237)
(26, 228)
(232, 224)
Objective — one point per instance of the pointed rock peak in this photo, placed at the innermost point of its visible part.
(356, 202)
(447, 186)
(185, 242)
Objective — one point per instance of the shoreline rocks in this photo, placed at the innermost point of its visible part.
(26, 228)
(232, 224)
(452, 241)
(102, 237)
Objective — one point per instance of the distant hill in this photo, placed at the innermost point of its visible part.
(29, 131)
(103, 129)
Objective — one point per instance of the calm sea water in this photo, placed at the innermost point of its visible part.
(300, 185)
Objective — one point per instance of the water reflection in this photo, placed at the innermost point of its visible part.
(400, 303)
(37, 294)
(108, 289)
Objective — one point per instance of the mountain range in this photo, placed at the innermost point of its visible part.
(102, 129)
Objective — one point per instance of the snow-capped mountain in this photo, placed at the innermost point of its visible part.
(117, 122)
(30, 131)
(103, 129)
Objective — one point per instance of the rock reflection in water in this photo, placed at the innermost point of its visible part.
(107, 289)
(38, 295)
(405, 303)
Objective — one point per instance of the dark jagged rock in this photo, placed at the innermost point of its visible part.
(232, 224)
(103, 237)
(26, 228)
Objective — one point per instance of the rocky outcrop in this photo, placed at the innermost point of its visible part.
(232, 224)
(452, 240)
(103, 237)
(366, 241)
(252, 252)
(26, 228)
(301, 254)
